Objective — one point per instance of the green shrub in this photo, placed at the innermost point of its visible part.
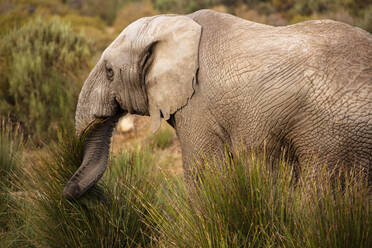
(15, 13)
(41, 66)
(355, 7)
(365, 21)
(12, 19)
(92, 29)
(106, 10)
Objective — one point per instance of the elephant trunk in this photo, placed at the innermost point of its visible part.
(95, 156)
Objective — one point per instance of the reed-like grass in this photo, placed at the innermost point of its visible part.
(163, 138)
(106, 216)
(11, 146)
(244, 203)
(240, 202)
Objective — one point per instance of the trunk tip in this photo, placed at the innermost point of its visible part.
(71, 191)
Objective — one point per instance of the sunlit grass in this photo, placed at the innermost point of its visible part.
(107, 216)
(11, 146)
(163, 138)
(240, 202)
(243, 203)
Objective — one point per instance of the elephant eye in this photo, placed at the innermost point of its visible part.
(110, 73)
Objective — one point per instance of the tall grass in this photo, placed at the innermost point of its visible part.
(163, 138)
(240, 202)
(11, 146)
(243, 203)
(107, 216)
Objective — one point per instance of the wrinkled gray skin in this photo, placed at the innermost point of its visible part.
(221, 80)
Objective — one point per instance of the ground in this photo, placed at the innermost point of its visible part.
(169, 158)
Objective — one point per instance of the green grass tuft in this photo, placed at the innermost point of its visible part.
(11, 146)
(245, 204)
(163, 138)
(108, 215)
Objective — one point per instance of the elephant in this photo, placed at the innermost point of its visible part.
(223, 82)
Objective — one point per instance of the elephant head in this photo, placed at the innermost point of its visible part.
(149, 69)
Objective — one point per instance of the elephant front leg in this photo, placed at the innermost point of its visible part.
(200, 137)
(208, 149)
(194, 164)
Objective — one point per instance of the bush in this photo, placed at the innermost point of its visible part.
(15, 12)
(366, 21)
(106, 10)
(41, 66)
(12, 19)
(92, 29)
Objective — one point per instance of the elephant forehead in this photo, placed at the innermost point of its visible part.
(118, 58)
(132, 33)
(121, 47)
(136, 28)
(128, 42)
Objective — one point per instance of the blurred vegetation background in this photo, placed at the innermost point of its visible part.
(47, 47)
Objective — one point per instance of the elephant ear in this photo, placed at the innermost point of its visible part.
(171, 77)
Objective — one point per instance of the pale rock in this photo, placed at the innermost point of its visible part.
(126, 124)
